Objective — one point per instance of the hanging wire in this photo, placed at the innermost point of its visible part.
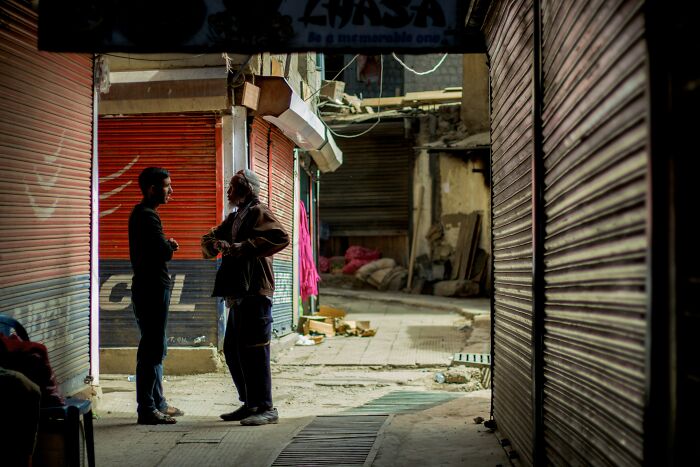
(127, 57)
(379, 108)
(419, 73)
(333, 79)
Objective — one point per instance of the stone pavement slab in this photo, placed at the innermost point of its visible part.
(193, 441)
(406, 336)
(469, 307)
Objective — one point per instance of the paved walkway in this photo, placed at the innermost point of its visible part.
(408, 335)
(467, 306)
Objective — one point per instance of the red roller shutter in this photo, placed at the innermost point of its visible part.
(281, 184)
(272, 159)
(183, 144)
(45, 193)
(186, 145)
(259, 154)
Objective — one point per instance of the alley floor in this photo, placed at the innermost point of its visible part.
(347, 401)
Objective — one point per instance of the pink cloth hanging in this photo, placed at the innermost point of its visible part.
(308, 276)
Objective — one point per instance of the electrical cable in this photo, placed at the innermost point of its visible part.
(153, 59)
(420, 73)
(379, 119)
(338, 74)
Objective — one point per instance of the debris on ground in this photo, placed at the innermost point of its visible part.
(463, 378)
(330, 321)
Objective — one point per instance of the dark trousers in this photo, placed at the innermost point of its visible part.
(247, 350)
(151, 311)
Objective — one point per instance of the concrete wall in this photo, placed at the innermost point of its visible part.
(449, 74)
(475, 93)
(463, 191)
(392, 80)
(422, 181)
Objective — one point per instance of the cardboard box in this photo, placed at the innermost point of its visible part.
(325, 310)
(333, 90)
(250, 96)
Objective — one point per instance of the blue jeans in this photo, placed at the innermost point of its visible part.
(247, 350)
(151, 310)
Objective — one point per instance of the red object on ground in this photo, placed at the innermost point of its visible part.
(360, 252)
(324, 264)
(354, 265)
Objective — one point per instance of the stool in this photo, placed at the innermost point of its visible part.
(69, 415)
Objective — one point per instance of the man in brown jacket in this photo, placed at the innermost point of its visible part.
(247, 239)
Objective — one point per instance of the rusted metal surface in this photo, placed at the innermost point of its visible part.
(508, 31)
(45, 190)
(595, 134)
(371, 190)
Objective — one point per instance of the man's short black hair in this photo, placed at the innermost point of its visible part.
(152, 176)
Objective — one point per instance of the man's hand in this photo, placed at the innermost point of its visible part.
(173, 244)
(221, 245)
(236, 249)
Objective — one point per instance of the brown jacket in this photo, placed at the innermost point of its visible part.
(250, 273)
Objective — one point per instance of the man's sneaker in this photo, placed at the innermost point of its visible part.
(172, 411)
(261, 418)
(239, 414)
(155, 418)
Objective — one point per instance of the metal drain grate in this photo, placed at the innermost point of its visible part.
(333, 440)
(403, 401)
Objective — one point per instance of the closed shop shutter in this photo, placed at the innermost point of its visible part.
(594, 117)
(510, 46)
(281, 189)
(45, 193)
(272, 159)
(369, 193)
(259, 154)
(186, 146)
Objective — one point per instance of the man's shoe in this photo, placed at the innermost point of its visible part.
(155, 418)
(237, 415)
(261, 418)
(173, 411)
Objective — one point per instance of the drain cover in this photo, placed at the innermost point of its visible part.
(334, 440)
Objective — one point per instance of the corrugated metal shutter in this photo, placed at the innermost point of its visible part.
(45, 193)
(281, 185)
(510, 46)
(281, 189)
(186, 146)
(272, 159)
(595, 136)
(259, 154)
(369, 193)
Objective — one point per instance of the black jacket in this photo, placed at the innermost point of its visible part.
(149, 250)
(261, 236)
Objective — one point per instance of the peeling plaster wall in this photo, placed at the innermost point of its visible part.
(463, 191)
(421, 178)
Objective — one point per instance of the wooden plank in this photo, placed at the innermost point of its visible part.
(474, 244)
(467, 254)
(331, 312)
(323, 328)
(459, 256)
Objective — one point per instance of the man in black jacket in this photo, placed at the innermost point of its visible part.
(149, 252)
(247, 239)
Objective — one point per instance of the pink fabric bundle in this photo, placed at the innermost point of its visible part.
(308, 276)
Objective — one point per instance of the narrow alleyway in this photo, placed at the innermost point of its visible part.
(347, 401)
